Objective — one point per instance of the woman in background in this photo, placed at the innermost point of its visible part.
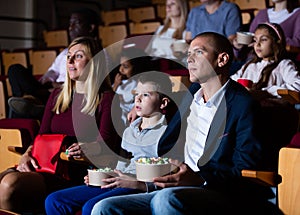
(173, 29)
(286, 13)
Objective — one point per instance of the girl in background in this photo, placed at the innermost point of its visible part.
(132, 62)
(270, 70)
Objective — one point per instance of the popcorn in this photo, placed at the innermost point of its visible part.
(106, 169)
(153, 160)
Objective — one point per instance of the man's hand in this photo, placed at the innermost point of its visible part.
(184, 177)
(131, 116)
(123, 180)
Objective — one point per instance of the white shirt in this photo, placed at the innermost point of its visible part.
(284, 76)
(160, 45)
(58, 70)
(199, 124)
(279, 16)
(126, 97)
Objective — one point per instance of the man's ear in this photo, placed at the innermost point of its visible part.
(223, 59)
(93, 26)
(164, 103)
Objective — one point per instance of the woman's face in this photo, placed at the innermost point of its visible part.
(77, 59)
(172, 8)
(125, 67)
(263, 44)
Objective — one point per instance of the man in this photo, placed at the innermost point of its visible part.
(214, 15)
(30, 95)
(220, 142)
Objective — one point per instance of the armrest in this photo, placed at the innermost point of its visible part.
(64, 157)
(291, 96)
(263, 177)
(16, 149)
(293, 49)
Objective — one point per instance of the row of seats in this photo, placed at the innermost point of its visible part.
(39, 60)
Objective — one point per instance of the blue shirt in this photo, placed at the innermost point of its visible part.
(141, 143)
(226, 20)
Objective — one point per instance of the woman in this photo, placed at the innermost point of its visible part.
(287, 14)
(71, 110)
(173, 29)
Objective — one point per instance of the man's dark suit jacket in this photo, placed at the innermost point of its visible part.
(232, 141)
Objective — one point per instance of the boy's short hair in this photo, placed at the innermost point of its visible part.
(159, 79)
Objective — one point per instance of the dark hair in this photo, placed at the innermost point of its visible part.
(220, 43)
(139, 60)
(291, 5)
(279, 49)
(89, 17)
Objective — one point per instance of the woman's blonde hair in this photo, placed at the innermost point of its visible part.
(182, 4)
(95, 75)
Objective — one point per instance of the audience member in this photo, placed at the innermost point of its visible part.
(221, 140)
(29, 94)
(214, 15)
(72, 110)
(133, 61)
(173, 29)
(286, 13)
(270, 69)
(140, 139)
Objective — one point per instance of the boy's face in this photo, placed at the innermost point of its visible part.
(147, 101)
(202, 59)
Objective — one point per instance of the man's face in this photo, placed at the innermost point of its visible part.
(78, 26)
(202, 60)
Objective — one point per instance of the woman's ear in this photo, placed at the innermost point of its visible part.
(164, 103)
(223, 59)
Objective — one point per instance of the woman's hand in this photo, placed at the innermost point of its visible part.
(184, 177)
(75, 151)
(236, 45)
(27, 162)
(125, 181)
